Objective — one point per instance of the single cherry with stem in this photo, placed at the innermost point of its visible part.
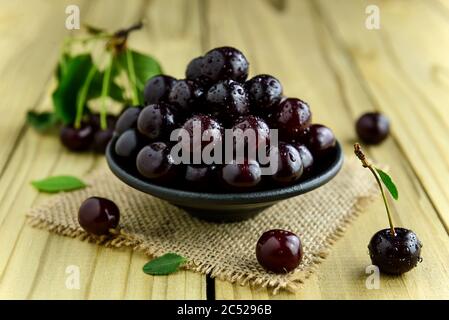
(359, 153)
(393, 250)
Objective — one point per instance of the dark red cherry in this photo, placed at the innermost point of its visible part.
(289, 165)
(225, 63)
(194, 72)
(101, 140)
(395, 254)
(95, 121)
(98, 215)
(321, 140)
(279, 251)
(127, 120)
(240, 176)
(200, 176)
(129, 143)
(227, 100)
(77, 139)
(186, 95)
(102, 136)
(200, 126)
(264, 92)
(372, 127)
(292, 118)
(156, 121)
(306, 158)
(155, 162)
(157, 89)
(251, 126)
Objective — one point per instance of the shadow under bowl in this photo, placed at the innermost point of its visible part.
(223, 207)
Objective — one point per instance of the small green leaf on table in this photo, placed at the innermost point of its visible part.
(58, 183)
(166, 264)
(389, 184)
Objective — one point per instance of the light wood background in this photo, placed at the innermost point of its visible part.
(321, 51)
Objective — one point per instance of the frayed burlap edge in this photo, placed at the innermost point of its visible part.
(291, 283)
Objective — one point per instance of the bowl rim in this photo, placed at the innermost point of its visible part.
(270, 195)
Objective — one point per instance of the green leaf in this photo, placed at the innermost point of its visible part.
(145, 67)
(71, 79)
(166, 264)
(62, 65)
(58, 183)
(115, 91)
(41, 121)
(388, 182)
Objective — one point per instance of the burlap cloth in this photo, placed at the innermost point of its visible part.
(225, 251)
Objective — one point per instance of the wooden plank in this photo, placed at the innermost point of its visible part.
(30, 44)
(295, 46)
(328, 66)
(408, 80)
(33, 262)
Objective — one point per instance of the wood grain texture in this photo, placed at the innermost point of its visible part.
(321, 52)
(33, 262)
(30, 46)
(316, 68)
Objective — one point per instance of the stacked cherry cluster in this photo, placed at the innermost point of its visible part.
(217, 94)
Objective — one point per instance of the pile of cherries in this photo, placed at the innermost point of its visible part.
(89, 136)
(217, 94)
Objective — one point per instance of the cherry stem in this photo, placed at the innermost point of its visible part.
(104, 93)
(359, 153)
(125, 32)
(82, 95)
(132, 77)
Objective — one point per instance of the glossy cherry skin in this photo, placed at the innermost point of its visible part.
(200, 176)
(227, 100)
(372, 127)
(155, 162)
(395, 254)
(194, 72)
(205, 126)
(127, 120)
(279, 251)
(95, 121)
(225, 63)
(101, 140)
(128, 143)
(186, 95)
(264, 92)
(102, 136)
(157, 89)
(156, 121)
(241, 176)
(289, 166)
(258, 130)
(320, 140)
(98, 215)
(292, 118)
(306, 158)
(77, 139)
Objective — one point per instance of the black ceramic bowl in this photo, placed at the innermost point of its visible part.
(223, 207)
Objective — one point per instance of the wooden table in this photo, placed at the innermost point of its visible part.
(321, 51)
